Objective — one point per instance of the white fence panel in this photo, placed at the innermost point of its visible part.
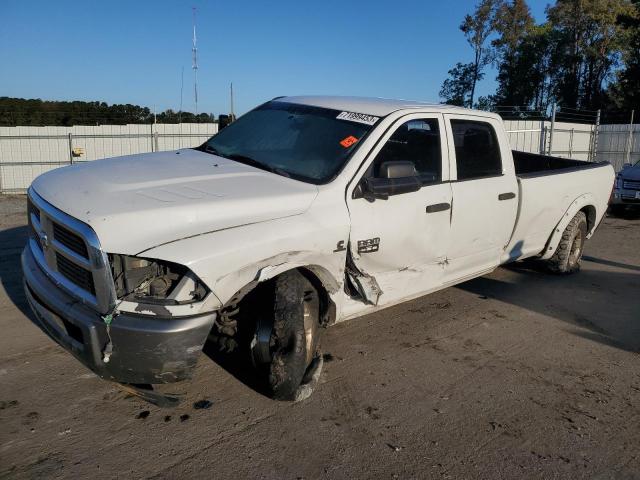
(619, 144)
(570, 140)
(26, 152)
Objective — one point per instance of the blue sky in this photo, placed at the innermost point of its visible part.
(133, 52)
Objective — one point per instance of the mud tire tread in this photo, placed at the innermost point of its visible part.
(559, 262)
(288, 365)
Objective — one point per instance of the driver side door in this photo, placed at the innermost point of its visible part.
(401, 242)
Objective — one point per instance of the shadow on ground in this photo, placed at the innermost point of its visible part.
(629, 213)
(237, 364)
(574, 299)
(12, 241)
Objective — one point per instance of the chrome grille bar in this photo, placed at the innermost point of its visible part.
(69, 252)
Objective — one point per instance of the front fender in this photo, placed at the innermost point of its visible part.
(584, 200)
(232, 261)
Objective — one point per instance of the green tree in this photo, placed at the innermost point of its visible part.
(458, 88)
(477, 28)
(20, 111)
(590, 41)
(624, 92)
(514, 26)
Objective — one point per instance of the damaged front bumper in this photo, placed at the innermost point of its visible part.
(146, 349)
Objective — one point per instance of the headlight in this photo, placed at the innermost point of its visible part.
(147, 280)
(618, 183)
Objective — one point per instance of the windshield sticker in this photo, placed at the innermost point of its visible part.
(358, 117)
(348, 141)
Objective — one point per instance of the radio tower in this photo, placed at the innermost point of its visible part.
(194, 50)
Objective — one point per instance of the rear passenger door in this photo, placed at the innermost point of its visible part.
(484, 190)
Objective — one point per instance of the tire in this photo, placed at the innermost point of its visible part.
(566, 258)
(294, 338)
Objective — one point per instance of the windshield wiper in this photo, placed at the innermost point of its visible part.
(255, 163)
(209, 149)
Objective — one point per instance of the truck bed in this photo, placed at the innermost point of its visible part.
(547, 187)
(532, 164)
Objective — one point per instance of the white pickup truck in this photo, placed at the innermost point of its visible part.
(305, 212)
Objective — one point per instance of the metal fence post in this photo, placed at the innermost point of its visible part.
(155, 139)
(70, 148)
(595, 137)
(571, 142)
(627, 157)
(553, 126)
(151, 136)
(1, 175)
(543, 137)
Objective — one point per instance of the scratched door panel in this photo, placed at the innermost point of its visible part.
(398, 241)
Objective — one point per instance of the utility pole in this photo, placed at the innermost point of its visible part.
(194, 51)
(233, 117)
(181, 90)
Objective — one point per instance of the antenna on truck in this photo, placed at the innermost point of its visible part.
(194, 50)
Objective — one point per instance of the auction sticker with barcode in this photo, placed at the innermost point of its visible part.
(358, 117)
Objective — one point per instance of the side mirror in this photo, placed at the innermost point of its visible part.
(401, 169)
(394, 178)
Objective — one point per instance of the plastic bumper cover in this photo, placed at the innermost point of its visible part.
(146, 350)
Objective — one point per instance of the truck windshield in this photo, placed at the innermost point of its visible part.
(307, 143)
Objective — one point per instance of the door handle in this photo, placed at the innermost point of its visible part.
(438, 207)
(506, 196)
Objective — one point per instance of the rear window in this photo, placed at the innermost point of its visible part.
(477, 149)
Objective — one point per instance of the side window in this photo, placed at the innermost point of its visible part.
(417, 141)
(477, 149)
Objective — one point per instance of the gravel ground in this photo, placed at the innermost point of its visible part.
(518, 374)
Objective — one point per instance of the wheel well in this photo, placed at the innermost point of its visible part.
(327, 306)
(590, 212)
(254, 297)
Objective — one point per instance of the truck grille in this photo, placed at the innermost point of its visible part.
(70, 240)
(32, 210)
(631, 184)
(69, 252)
(76, 274)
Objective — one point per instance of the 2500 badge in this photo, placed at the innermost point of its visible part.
(369, 245)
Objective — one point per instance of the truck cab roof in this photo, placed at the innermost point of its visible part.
(379, 107)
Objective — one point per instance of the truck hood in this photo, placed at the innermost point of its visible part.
(140, 201)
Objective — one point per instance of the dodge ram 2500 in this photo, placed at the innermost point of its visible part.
(305, 212)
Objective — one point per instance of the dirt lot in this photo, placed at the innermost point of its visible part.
(515, 375)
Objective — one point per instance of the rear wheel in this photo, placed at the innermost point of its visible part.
(567, 256)
(285, 345)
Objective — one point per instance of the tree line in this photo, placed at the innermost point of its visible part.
(585, 56)
(36, 112)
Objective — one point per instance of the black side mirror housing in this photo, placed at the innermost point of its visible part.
(394, 178)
